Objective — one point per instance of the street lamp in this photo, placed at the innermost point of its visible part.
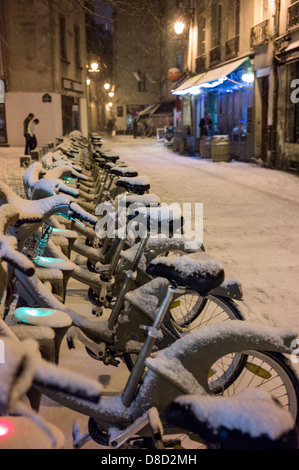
(88, 81)
(110, 105)
(107, 86)
(94, 67)
(111, 94)
(179, 27)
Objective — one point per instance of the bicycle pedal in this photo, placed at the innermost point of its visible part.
(97, 311)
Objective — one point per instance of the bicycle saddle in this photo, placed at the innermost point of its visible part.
(124, 171)
(189, 271)
(110, 158)
(145, 200)
(135, 185)
(250, 419)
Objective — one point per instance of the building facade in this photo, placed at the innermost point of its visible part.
(145, 48)
(287, 87)
(243, 60)
(42, 69)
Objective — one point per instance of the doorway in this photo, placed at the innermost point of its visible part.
(264, 127)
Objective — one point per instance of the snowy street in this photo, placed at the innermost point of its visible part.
(251, 221)
(251, 226)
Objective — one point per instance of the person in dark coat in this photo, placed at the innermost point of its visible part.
(135, 128)
(26, 133)
(31, 132)
(206, 126)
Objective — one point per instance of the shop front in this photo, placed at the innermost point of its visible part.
(226, 95)
(287, 145)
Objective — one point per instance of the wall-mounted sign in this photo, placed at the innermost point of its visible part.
(173, 74)
(72, 85)
(47, 98)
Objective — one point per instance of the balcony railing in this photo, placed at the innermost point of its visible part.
(293, 16)
(259, 34)
(232, 47)
(215, 55)
(200, 64)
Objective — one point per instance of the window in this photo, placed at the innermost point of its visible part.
(62, 28)
(237, 19)
(141, 81)
(119, 111)
(216, 24)
(201, 35)
(219, 24)
(77, 45)
(265, 10)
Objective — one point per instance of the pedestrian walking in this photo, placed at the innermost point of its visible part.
(31, 132)
(206, 126)
(135, 128)
(26, 123)
(110, 127)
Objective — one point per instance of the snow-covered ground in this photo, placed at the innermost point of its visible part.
(251, 226)
(251, 221)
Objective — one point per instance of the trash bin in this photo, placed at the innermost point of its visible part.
(220, 148)
(205, 147)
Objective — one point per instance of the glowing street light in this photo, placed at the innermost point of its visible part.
(110, 105)
(111, 94)
(94, 67)
(88, 81)
(179, 27)
(248, 77)
(107, 86)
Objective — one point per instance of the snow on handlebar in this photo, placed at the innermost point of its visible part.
(9, 253)
(58, 204)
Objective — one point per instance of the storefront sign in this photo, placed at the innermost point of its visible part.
(72, 85)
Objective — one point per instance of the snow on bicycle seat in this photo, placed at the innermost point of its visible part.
(188, 270)
(146, 200)
(137, 185)
(124, 171)
(159, 219)
(251, 419)
(43, 317)
(110, 158)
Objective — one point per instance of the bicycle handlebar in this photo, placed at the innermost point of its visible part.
(9, 253)
(59, 204)
(10, 216)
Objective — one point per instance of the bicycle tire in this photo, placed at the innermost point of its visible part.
(227, 306)
(279, 363)
(271, 371)
(201, 309)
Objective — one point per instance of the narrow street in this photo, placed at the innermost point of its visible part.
(250, 225)
(251, 221)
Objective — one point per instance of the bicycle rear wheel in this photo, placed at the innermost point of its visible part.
(270, 371)
(191, 311)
